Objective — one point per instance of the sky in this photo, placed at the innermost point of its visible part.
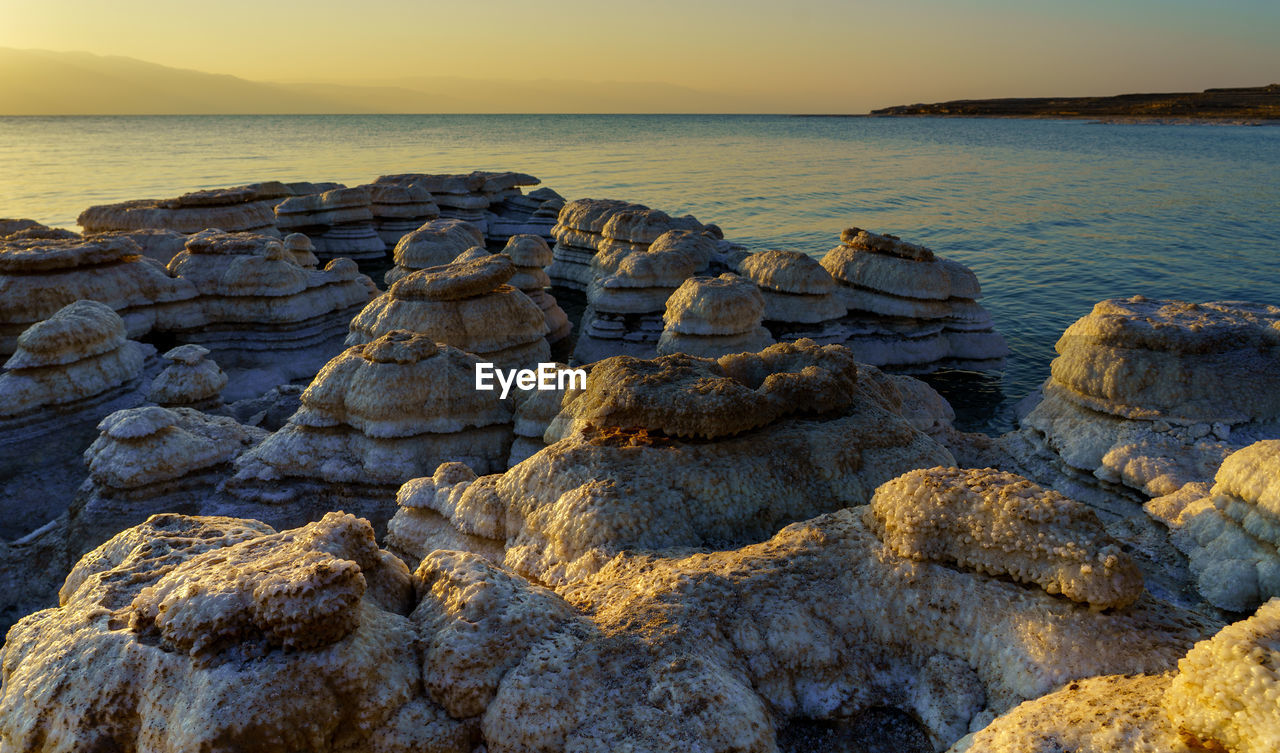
(767, 56)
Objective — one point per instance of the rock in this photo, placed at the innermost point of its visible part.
(799, 295)
(400, 209)
(435, 243)
(714, 316)
(239, 209)
(908, 308)
(376, 416)
(466, 305)
(338, 221)
(530, 255)
(191, 380)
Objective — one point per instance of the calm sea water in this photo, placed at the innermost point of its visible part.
(1052, 215)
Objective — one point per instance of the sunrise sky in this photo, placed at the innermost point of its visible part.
(754, 55)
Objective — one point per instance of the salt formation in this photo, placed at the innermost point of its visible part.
(242, 208)
(159, 245)
(153, 460)
(714, 316)
(578, 236)
(628, 293)
(1231, 532)
(1222, 698)
(40, 276)
(257, 304)
(640, 456)
(908, 308)
(469, 197)
(1226, 690)
(77, 356)
(301, 250)
(1154, 394)
(256, 641)
(530, 254)
(67, 372)
(191, 380)
(1003, 524)
(376, 416)
(466, 305)
(534, 213)
(400, 209)
(433, 244)
(799, 295)
(339, 222)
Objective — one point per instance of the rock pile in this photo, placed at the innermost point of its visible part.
(799, 295)
(466, 305)
(908, 308)
(435, 243)
(191, 380)
(530, 255)
(338, 221)
(714, 316)
(1154, 394)
(376, 416)
(628, 293)
(239, 209)
(40, 276)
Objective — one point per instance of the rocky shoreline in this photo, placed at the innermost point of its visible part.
(254, 500)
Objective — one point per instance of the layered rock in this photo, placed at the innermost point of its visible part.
(908, 308)
(300, 248)
(400, 209)
(338, 221)
(191, 380)
(628, 293)
(376, 416)
(158, 245)
(435, 243)
(1155, 394)
(534, 213)
(238, 209)
(530, 255)
(67, 372)
(467, 197)
(154, 460)
(578, 236)
(799, 295)
(714, 316)
(466, 305)
(40, 276)
(1231, 531)
(257, 305)
(634, 459)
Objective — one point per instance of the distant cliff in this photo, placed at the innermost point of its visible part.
(1253, 103)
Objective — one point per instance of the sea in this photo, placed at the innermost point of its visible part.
(1052, 215)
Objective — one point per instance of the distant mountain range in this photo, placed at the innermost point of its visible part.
(42, 82)
(1245, 103)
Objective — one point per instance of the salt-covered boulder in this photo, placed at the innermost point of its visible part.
(191, 380)
(714, 316)
(214, 633)
(156, 244)
(635, 458)
(433, 244)
(67, 373)
(1231, 531)
(239, 209)
(339, 222)
(376, 416)
(301, 250)
(1002, 524)
(260, 310)
(628, 292)
(466, 305)
(154, 460)
(1224, 695)
(530, 255)
(40, 276)
(469, 197)
(400, 209)
(534, 213)
(1155, 394)
(908, 308)
(578, 236)
(799, 295)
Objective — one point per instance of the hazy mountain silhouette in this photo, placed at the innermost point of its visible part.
(43, 82)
